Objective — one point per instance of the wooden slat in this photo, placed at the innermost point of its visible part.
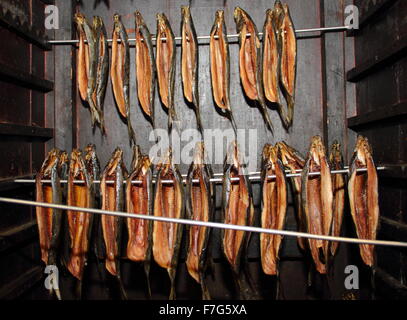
(386, 57)
(24, 30)
(393, 229)
(26, 131)
(398, 110)
(17, 235)
(370, 15)
(21, 284)
(48, 1)
(388, 285)
(25, 79)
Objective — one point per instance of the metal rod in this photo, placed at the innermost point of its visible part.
(255, 178)
(325, 29)
(205, 223)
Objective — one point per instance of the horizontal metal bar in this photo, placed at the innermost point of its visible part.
(229, 36)
(217, 225)
(255, 178)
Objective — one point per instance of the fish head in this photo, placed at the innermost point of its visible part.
(145, 164)
(317, 150)
(219, 17)
(115, 161)
(289, 156)
(117, 28)
(76, 165)
(50, 163)
(335, 157)
(162, 23)
(278, 13)
(139, 19)
(97, 22)
(79, 18)
(363, 150)
(63, 161)
(90, 152)
(239, 15)
(266, 151)
(186, 14)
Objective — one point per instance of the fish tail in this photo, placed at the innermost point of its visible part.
(147, 273)
(199, 120)
(173, 295)
(79, 290)
(132, 136)
(123, 292)
(205, 292)
(290, 110)
(232, 121)
(266, 116)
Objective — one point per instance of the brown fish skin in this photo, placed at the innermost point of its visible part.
(338, 183)
(364, 197)
(288, 64)
(271, 59)
(82, 63)
(250, 60)
(168, 202)
(165, 62)
(120, 73)
(274, 208)
(199, 206)
(220, 66)
(317, 201)
(190, 62)
(294, 161)
(47, 225)
(79, 223)
(112, 199)
(237, 208)
(146, 70)
(49, 220)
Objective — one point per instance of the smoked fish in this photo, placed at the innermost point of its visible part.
(165, 62)
(79, 223)
(102, 70)
(190, 63)
(271, 58)
(250, 61)
(338, 183)
(274, 208)
(120, 73)
(294, 161)
(86, 66)
(168, 202)
(139, 199)
(364, 197)
(49, 220)
(220, 66)
(288, 65)
(199, 206)
(112, 197)
(317, 201)
(238, 209)
(146, 70)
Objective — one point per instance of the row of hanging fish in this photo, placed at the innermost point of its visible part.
(319, 201)
(264, 70)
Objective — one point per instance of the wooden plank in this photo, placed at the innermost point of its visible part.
(393, 229)
(24, 30)
(8, 129)
(371, 15)
(16, 236)
(24, 79)
(387, 56)
(398, 111)
(389, 286)
(21, 284)
(48, 1)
